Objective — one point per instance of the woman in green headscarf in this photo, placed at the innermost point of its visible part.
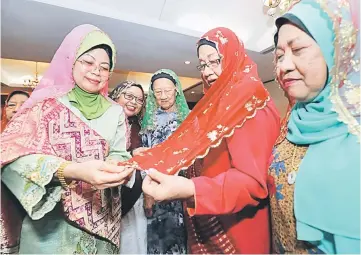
(166, 108)
(54, 152)
(315, 173)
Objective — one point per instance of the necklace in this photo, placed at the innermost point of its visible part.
(295, 167)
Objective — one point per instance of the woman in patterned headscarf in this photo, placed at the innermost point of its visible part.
(166, 108)
(315, 174)
(53, 152)
(133, 238)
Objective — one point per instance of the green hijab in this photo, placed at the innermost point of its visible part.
(182, 109)
(92, 105)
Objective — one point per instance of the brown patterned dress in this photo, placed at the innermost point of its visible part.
(282, 178)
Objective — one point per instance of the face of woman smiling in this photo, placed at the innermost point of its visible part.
(300, 66)
(91, 70)
(132, 100)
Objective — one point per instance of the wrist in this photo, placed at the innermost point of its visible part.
(70, 172)
(191, 189)
(60, 174)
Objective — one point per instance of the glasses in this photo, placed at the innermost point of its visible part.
(12, 105)
(90, 66)
(130, 97)
(168, 92)
(211, 64)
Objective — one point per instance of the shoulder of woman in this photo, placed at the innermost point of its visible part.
(116, 111)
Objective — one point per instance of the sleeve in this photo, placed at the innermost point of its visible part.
(147, 139)
(146, 142)
(29, 178)
(118, 146)
(244, 184)
(131, 195)
(135, 139)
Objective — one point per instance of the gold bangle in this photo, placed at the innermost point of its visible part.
(60, 174)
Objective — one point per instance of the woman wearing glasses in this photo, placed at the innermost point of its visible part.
(12, 104)
(166, 108)
(232, 129)
(133, 238)
(54, 150)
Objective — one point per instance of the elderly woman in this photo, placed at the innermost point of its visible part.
(166, 108)
(54, 150)
(232, 131)
(133, 238)
(315, 174)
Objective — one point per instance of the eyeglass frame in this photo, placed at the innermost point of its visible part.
(81, 61)
(133, 97)
(202, 67)
(7, 105)
(165, 91)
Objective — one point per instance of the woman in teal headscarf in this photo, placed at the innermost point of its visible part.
(315, 174)
(166, 108)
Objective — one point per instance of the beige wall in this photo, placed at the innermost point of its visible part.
(144, 79)
(13, 73)
(278, 97)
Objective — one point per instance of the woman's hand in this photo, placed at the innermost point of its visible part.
(139, 151)
(98, 173)
(164, 187)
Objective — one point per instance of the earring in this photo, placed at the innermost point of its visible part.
(279, 85)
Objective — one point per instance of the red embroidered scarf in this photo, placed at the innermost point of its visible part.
(228, 103)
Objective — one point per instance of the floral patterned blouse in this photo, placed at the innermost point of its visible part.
(166, 232)
(282, 178)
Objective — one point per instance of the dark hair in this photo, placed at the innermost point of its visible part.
(162, 75)
(16, 92)
(114, 95)
(107, 49)
(204, 41)
(289, 18)
(140, 87)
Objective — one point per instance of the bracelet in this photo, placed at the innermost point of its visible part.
(60, 174)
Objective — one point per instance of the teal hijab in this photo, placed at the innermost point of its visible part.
(327, 189)
(149, 120)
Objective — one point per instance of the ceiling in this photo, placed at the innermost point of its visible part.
(148, 34)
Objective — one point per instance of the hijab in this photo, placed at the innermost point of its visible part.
(122, 87)
(28, 133)
(234, 98)
(181, 107)
(58, 79)
(327, 190)
(4, 120)
(91, 105)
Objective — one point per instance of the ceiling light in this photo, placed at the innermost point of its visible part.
(192, 92)
(33, 82)
(277, 7)
(187, 62)
(271, 3)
